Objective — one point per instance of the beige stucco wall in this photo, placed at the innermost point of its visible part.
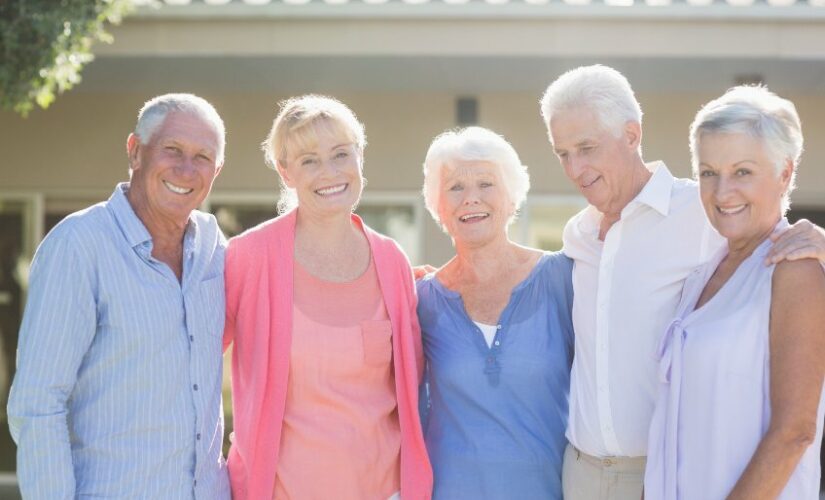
(79, 143)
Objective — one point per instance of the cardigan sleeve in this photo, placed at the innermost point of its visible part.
(231, 280)
(408, 280)
(416, 326)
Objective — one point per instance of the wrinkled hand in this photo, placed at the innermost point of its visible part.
(422, 270)
(803, 240)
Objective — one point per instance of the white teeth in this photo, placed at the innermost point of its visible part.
(467, 217)
(731, 211)
(331, 190)
(177, 189)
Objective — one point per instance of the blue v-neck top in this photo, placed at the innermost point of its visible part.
(494, 417)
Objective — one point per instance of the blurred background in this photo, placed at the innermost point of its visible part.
(409, 69)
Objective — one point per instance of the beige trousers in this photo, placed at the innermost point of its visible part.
(585, 477)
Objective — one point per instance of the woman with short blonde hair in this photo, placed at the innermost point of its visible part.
(321, 310)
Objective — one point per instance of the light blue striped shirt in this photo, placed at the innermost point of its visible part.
(118, 385)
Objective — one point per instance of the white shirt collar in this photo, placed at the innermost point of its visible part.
(657, 190)
(656, 194)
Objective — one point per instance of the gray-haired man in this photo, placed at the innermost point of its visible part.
(118, 386)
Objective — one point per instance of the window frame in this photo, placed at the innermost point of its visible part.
(412, 199)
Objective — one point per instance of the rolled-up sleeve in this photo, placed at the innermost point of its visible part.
(58, 327)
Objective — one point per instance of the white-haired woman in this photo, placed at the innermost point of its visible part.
(740, 409)
(497, 331)
(327, 353)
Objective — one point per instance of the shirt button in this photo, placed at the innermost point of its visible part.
(198, 436)
(195, 387)
(496, 342)
(191, 338)
(195, 482)
(498, 327)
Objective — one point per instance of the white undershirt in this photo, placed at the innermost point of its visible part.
(489, 332)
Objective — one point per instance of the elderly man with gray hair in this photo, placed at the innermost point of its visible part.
(118, 385)
(642, 234)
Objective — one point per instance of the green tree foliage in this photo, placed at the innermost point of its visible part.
(44, 45)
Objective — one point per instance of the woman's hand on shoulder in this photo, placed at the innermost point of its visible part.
(422, 270)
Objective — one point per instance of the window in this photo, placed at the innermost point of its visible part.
(398, 216)
(542, 221)
(18, 239)
(398, 220)
(235, 218)
(58, 207)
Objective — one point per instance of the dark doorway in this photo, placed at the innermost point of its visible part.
(813, 214)
(12, 231)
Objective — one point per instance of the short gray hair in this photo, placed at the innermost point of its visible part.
(473, 144)
(758, 113)
(155, 111)
(599, 88)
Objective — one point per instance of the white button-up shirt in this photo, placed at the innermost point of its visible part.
(627, 288)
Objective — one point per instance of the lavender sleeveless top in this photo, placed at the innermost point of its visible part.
(713, 405)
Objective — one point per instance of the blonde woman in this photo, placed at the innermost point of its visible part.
(321, 310)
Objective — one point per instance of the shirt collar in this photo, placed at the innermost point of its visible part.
(133, 229)
(657, 190)
(655, 194)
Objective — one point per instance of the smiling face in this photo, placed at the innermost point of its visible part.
(474, 206)
(173, 172)
(740, 190)
(596, 161)
(325, 172)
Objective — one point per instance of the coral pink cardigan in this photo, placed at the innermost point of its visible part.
(259, 322)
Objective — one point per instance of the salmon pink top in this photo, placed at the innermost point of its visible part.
(341, 393)
(259, 325)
